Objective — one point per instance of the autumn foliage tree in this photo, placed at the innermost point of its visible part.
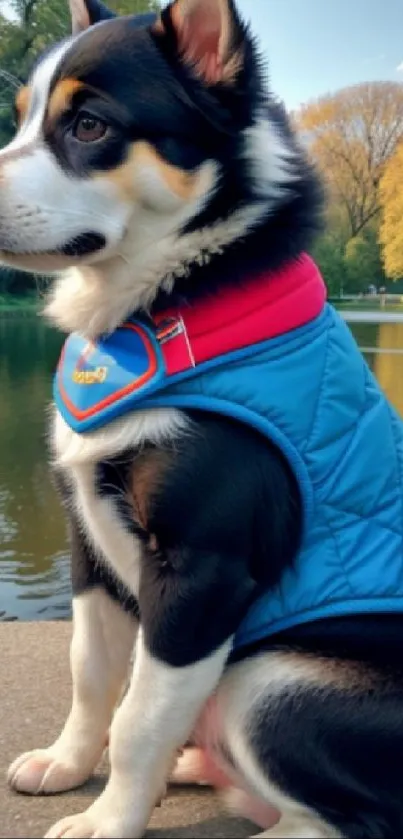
(352, 134)
(391, 198)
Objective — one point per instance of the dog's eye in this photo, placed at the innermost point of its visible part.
(89, 129)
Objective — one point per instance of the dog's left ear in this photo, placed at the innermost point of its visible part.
(208, 36)
(85, 13)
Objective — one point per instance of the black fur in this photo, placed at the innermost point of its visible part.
(97, 11)
(136, 83)
(219, 540)
(338, 750)
(206, 564)
(374, 640)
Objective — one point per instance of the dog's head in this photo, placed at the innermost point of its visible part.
(145, 145)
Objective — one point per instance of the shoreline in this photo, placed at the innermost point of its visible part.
(16, 308)
(14, 313)
(12, 307)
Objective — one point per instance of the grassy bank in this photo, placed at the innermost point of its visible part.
(12, 305)
(369, 305)
(30, 304)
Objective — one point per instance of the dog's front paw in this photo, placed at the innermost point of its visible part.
(43, 772)
(84, 825)
(80, 825)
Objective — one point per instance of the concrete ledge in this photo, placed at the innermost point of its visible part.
(34, 700)
(378, 316)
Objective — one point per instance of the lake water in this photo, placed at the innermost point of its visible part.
(34, 563)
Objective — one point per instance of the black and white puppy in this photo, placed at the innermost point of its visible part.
(151, 166)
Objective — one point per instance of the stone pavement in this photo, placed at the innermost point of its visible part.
(34, 700)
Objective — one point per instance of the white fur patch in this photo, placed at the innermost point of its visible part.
(79, 454)
(31, 128)
(95, 300)
(103, 526)
(271, 161)
(156, 426)
(33, 218)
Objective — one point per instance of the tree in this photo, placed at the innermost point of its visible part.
(363, 261)
(328, 252)
(391, 197)
(350, 268)
(351, 135)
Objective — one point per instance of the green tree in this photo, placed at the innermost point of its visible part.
(363, 261)
(329, 255)
(350, 267)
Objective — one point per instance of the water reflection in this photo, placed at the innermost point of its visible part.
(388, 367)
(34, 573)
(34, 566)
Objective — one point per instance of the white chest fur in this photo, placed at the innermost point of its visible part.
(79, 454)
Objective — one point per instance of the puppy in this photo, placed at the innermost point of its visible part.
(230, 470)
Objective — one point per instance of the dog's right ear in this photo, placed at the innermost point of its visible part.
(85, 13)
(208, 37)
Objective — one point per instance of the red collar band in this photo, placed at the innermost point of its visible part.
(263, 307)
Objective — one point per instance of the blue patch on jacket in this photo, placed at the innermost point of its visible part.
(97, 382)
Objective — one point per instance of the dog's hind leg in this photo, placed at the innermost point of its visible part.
(246, 737)
(103, 638)
(318, 738)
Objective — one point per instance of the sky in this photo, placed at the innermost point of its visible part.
(315, 47)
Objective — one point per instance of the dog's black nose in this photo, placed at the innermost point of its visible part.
(84, 244)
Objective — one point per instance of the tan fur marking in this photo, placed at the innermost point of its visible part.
(149, 471)
(183, 184)
(22, 101)
(186, 185)
(322, 671)
(61, 97)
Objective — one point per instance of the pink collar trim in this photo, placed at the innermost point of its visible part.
(263, 307)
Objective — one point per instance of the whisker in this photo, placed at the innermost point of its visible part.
(77, 214)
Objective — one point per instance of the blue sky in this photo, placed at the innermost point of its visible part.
(317, 46)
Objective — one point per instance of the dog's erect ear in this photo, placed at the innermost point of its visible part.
(209, 37)
(85, 13)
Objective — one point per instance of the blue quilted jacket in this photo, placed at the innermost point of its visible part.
(311, 392)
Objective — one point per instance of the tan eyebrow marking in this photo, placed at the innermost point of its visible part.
(22, 101)
(61, 97)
